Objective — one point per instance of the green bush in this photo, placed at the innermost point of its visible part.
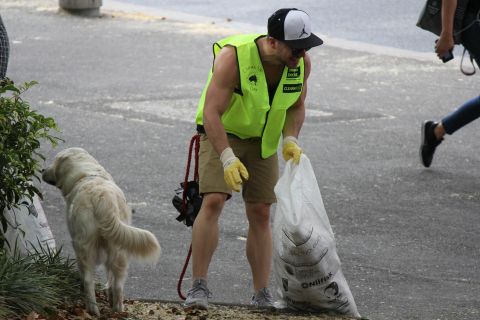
(38, 282)
(21, 130)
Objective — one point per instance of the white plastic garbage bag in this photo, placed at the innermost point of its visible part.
(306, 265)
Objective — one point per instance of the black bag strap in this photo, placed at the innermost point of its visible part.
(462, 69)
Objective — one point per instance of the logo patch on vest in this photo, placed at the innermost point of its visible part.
(253, 76)
(252, 82)
(293, 73)
(290, 88)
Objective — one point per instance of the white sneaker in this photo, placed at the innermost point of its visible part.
(197, 296)
(263, 299)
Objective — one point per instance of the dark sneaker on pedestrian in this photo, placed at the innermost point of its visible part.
(429, 143)
(263, 299)
(197, 296)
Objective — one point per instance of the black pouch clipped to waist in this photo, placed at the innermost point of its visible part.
(193, 202)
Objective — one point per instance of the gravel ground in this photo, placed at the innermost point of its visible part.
(158, 310)
(149, 310)
(155, 310)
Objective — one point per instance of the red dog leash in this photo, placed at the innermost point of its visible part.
(194, 145)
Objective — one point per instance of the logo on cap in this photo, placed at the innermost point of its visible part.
(292, 26)
(303, 32)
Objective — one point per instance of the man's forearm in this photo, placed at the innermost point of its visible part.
(215, 132)
(294, 121)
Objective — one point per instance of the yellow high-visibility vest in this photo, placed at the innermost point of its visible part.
(249, 113)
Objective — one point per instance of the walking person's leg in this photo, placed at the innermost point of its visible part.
(459, 118)
(433, 132)
(470, 110)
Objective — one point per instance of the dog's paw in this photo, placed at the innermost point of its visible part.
(110, 297)
(93, 309)
(118, 307)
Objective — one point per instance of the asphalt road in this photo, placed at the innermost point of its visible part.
(381, 22)
(125, 88)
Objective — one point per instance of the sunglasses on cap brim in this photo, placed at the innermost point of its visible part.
(298, 51)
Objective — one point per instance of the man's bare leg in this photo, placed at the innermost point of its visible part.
(259, 243)
(205, 233)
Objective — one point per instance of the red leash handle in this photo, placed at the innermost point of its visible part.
(194, 144)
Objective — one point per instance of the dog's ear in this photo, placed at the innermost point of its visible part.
(48, 175)
(64, 172)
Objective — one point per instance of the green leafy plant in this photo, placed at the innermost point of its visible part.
(39, 282)
(21, 131)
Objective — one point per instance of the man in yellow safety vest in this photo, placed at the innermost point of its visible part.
(254, 95)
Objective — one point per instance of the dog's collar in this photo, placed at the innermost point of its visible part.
(91, 176)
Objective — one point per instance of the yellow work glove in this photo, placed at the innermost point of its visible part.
(233, 169)
(291, 150)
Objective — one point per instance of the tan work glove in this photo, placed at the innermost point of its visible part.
(291, 150)
(233, 169)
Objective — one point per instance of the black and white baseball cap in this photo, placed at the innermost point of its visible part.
(293, 27)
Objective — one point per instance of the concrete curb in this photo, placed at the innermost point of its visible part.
(29, 228)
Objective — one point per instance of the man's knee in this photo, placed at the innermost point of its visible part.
(259, 214)
(213, 203)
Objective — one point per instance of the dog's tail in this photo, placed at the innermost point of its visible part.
(138, 242)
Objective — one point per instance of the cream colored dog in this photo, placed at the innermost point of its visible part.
(98, 219)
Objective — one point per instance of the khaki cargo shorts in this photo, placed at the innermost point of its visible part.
(263, 172)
